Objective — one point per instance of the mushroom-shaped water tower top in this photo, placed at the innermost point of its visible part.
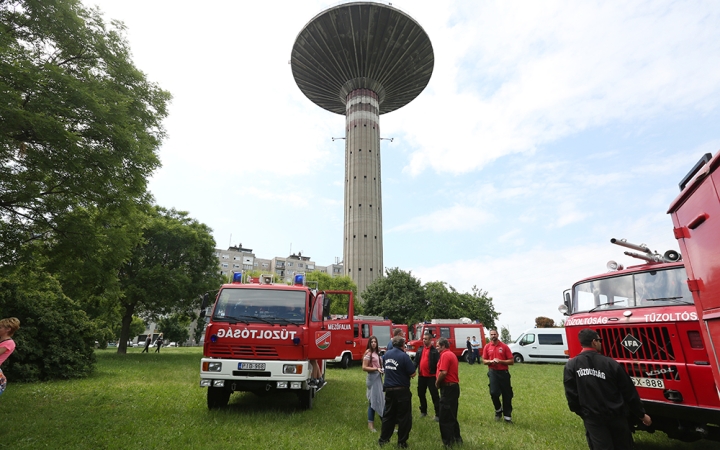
(362, 59)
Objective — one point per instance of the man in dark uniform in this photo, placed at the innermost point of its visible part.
(602, 394)
(398, 398)
(449, 385)
(426, 360)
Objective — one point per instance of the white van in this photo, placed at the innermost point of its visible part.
(541, 345)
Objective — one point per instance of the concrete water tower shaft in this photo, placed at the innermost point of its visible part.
(361, 60)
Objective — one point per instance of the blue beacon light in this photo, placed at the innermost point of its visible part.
(300, 279)
(237, 277)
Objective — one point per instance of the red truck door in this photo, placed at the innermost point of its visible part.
(328, 338)
(696, 219)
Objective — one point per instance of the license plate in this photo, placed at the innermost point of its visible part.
(251, 366)
(649, 383)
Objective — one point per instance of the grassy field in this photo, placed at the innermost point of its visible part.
(149, 401)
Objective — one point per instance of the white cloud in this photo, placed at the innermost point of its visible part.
(447, 219)
(510, 79)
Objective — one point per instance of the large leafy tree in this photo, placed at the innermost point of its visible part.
(398, 295)
(167, 271)
(79, 123)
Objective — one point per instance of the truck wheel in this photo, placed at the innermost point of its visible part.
(306, 398)
(466, 357)
(345, 361)
(217, 397)
(518, 358)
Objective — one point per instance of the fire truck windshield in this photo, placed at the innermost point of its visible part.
(266, 306)
(648, 288)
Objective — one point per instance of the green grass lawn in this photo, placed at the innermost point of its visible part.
(148, 401)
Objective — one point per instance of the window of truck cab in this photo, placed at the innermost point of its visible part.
(260, 306)
(665, 287)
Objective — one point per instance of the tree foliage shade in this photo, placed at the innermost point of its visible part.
(80, 125)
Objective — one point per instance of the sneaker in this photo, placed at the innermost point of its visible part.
(498, 416)
(436, 419)
(423, 414)
(509, 421)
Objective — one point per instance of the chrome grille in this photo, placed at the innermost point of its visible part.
(656, 343)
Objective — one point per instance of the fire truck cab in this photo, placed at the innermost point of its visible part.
(263, 337)
(661, 320)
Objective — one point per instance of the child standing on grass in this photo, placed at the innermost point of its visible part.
(8, 327)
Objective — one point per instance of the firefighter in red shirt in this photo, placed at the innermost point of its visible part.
(448, 383)
(497, 356)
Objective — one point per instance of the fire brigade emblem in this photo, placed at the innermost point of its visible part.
(322, 339)
(631, 343)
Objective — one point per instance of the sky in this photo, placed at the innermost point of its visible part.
(547, 128)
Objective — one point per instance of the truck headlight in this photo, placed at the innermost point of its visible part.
(211, 366)
(292, 368)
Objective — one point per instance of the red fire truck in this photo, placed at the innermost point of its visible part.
(263, 337)
(659, 319)
(456, 330)
(363, 328)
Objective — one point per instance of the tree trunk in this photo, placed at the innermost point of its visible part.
(125, 328)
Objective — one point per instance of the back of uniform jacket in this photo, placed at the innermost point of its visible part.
(597, 386)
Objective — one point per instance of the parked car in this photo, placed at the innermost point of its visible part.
(172, 344)
(541, 345)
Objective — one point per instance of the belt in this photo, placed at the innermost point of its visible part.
(396, 388)
(449, 384)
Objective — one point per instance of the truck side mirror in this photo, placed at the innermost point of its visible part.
(326, 306)
(203, 304)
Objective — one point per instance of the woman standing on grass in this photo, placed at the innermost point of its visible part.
(8, 327)
(159, 343)
(371, 365)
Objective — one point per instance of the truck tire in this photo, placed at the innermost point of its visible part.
(217, 397)
(306, 398)
(466, 357)
(345, 361)
(518, 357)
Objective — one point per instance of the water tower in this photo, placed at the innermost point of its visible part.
(361, 60)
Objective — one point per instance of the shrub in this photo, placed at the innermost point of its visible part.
(55, 339)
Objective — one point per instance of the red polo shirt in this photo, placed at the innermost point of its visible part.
(448, 363)
(425, 363)
(499, 351)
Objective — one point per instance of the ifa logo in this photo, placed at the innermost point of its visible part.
(631, 343)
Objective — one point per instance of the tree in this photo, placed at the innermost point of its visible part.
(398, 295)
(175, 327)
(338, 303)
(166, 272)
(56, 339)
(81, 125)
(478, 306)
(505, 335)
(442, 303)
(544, 322)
